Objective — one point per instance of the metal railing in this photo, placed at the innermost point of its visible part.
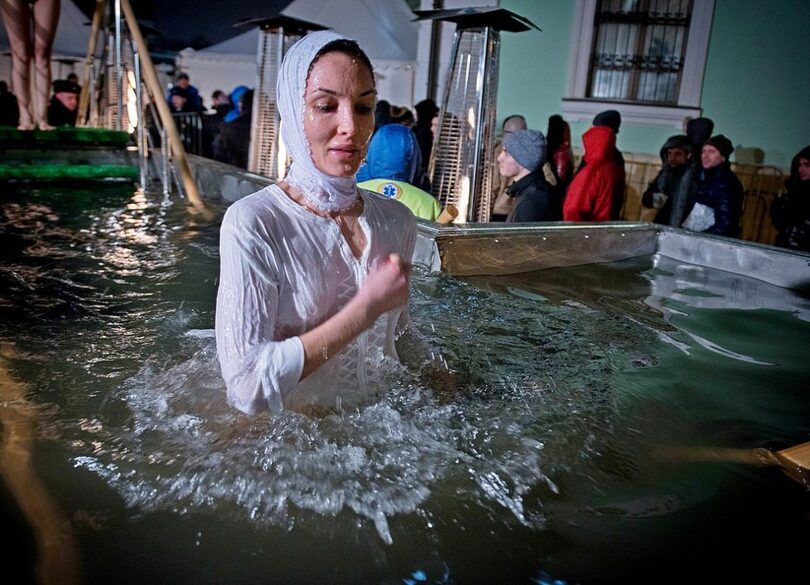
(123, 86)
(190, 127)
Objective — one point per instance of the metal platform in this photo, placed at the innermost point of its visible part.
(66, 154)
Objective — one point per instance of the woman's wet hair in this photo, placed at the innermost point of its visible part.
(347, 47)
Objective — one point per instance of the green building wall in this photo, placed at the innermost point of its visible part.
(756, 85)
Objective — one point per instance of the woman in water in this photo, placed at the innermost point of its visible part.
(31, 28)
(313, 279)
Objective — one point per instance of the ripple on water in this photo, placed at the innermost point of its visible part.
(497, 445)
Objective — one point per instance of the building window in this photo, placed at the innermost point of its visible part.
(645, 58)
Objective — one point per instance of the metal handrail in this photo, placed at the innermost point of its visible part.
(125, 23)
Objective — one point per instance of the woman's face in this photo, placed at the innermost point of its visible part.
(804, 169)
(338, 113)
(710, 157)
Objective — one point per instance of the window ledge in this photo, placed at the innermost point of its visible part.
(671, 116)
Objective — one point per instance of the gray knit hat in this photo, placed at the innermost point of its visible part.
(527, 147)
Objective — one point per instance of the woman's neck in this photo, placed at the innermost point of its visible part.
(298, 197)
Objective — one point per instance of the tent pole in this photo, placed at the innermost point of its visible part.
(89, 63)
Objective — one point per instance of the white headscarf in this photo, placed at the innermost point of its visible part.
(325, 192)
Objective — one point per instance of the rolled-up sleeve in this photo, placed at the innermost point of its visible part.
(258, 370)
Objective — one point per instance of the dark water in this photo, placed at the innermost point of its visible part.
(554, 461)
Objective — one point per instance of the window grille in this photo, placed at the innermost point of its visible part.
(639, 48)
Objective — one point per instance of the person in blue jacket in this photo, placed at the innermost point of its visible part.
(392, 168)
(194, 103)
(236, 97)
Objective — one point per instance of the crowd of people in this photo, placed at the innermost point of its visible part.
(534, 176)
(535, 179)
(696, 188)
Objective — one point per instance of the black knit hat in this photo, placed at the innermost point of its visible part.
(722, 144)
(699, 130)
(610, 118)
(65, 86)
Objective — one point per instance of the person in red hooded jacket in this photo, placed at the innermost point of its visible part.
(591, 194)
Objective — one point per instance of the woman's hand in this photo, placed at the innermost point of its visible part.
(385, 288)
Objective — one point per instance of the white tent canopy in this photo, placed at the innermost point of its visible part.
(383, 28)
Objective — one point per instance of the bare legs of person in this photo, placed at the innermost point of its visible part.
(20, 18)
(46, 17)
(16, 17)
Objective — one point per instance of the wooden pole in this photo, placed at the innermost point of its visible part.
(58, 560)
(84, 96)
(795, 461)
(153, 84)
(448, 214)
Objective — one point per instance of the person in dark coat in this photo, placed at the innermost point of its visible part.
(234, 137)
(791, 212)
(425, 111)
(9, 109)
(179, 101)
(673, 189)
(194, 102)
(522, 159)
(698, 131)
(560, 153)
(212, 121)
(719, 196)
(64, 105)
(382, 114)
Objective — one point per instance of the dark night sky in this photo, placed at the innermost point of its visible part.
(187, 19)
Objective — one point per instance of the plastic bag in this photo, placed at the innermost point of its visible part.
(700, 219)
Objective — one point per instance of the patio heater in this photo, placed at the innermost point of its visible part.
(277, 34)
(461, 163)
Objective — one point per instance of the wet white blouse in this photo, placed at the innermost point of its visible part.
(285, 270)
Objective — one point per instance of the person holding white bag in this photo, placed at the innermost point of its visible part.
(719, 196)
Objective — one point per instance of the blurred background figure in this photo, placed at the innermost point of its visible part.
(673, 189)
(9, 110)
(613, 120)
(64, 105)
(719, 195)
(31, 28)
(194, 102)
(212, 121)
(235, 96)
(402, 115)
(233, 143)
(521, 160)
(392, 169)
(791, 212)
(698, 131)
(590, 195)
(501, 202)
(425, 111)
(382, 114)
(559, 151)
